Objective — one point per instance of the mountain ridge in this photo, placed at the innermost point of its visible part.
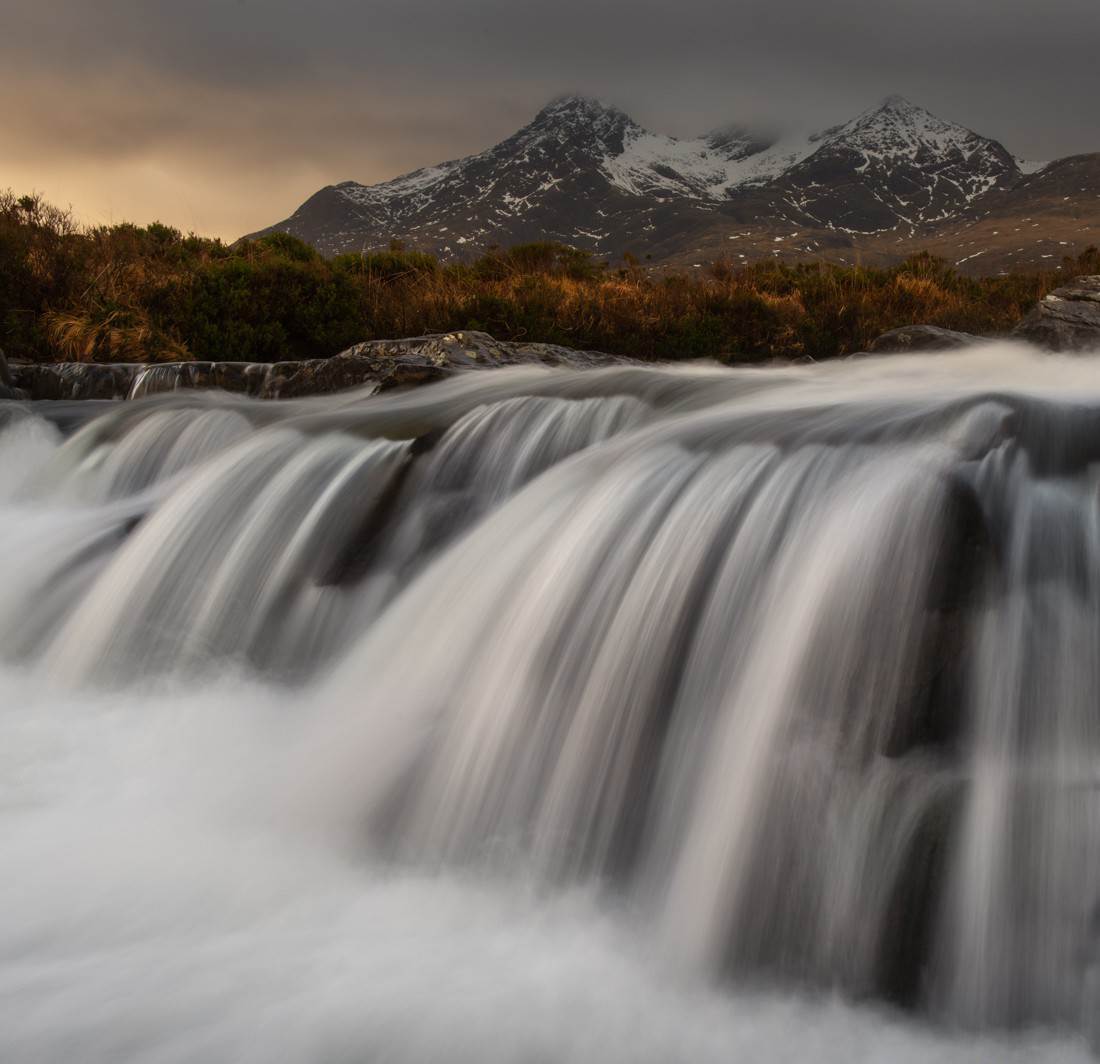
(585, 173)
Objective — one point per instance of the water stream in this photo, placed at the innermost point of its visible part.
(541, 715)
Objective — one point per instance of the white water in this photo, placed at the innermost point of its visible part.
(414, 831)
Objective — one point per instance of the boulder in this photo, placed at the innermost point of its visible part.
(921, 338)
(383, 364)
(1068, 319)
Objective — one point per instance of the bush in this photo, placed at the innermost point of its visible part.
(267, 311)
(558, 260)
(285, 246)
(387, 266)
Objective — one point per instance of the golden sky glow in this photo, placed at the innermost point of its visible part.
(222, 116)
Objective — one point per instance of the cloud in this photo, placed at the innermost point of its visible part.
(224, 114)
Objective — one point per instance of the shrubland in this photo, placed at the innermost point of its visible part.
(132, 293)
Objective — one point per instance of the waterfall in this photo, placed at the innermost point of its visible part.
(798, 667)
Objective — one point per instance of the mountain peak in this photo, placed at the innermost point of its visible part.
(897, 121)
(578, 108)
(915, 169)
(897, 102)
(897, 110)
(584, 123)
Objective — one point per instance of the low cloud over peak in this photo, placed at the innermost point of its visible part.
(220, 116)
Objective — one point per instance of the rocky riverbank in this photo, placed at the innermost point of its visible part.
(383, 364)
(1067, 320)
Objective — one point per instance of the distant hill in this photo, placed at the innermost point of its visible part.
(890, 181)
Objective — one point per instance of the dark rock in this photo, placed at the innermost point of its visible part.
(75, 380)
(921, 338)
(381, 364)
(1068, 319)
(8, 390)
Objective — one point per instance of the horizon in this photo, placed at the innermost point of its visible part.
(223, 118)
(773, 134)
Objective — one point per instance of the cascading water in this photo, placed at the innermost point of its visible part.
(557, 715)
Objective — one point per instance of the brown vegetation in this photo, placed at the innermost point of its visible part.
(128, 293)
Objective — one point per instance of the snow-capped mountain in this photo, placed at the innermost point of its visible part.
(586, 174)
(580, 172)
(895, 166)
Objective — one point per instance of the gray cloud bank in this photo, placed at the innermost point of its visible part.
(222, 115)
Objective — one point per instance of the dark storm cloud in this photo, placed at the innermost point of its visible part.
(224, 114)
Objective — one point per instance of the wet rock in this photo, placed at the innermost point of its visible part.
(74, 380)
(921, 338)
(8, 390)
(1068, 319)
(420, 360)
(383, 364)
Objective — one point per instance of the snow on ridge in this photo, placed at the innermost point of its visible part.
(957, 165)
(412, 184)
(893, 130)
(765, 166)
(704, 167)
(898, 127)
(653, 162)
(1027, 167)
(708, 168)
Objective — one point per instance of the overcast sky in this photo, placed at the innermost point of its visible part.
(223, 115)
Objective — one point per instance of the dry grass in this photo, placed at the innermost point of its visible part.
(114, 337)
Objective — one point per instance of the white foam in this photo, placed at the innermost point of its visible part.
(162, 901)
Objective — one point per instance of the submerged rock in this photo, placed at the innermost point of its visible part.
(385, 364)
(1068, 319)
(921, 338)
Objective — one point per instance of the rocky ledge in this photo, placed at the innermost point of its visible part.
(383, 364)
(1068, 319)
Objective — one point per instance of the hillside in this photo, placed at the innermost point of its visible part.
(891, 181)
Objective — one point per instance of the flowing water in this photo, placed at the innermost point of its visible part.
(618, 715)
